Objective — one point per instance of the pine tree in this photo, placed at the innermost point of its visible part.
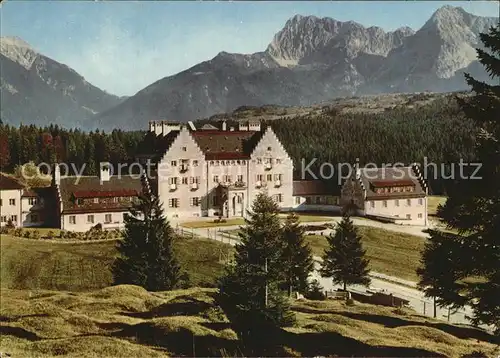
(344, 260)
(473, 209)
(249, 291)
(297, 257)
(146, 253)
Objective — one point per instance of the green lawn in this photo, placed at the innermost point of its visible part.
(212, 223)
(391, 253)
(36, 264)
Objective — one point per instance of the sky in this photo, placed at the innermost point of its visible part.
(123, 46)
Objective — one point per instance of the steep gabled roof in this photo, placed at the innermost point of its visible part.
(217, 144)
(391, 177)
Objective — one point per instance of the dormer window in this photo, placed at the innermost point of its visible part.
(269, 149)
(184, 149)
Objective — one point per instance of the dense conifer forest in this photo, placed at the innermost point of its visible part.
(437, 131)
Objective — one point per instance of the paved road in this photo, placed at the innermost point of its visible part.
(390, 284)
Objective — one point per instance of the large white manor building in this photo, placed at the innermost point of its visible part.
(219, 172)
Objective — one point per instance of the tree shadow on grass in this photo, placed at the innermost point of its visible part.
(180, 306)
(330, 343)
(180, 341)
(394, 322)
(17, 318)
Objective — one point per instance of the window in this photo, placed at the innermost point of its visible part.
(13, 218)
(278, 177)
(408, 202)
(96, 200)
(12, 201)
(372, 204)
(308, 200)
(195, 201)
(420, 201)
(195, 163)
(384, 203)
(268, 161)
(396, 202)
(32, 201)
(90, 219)
(215, 200)
(278, 198)
(297, 200)
(260, 177)
(72, 219)
(420, 216)
(216, 178)
(4, 218)
(278, 161)
(125, 215)
(185, 180)
(1, 202)
(173, 203)
(172, 180)
(239, 199)
(240, 178)
(184, 149)
(269, 148)
(107, 218)
(259, 160)
(195, 180)
(173, 163)
(79, 201)
(269, 177)
(227, 178)
(408, 216)
(216, 162)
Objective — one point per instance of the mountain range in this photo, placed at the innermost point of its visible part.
(310, 60)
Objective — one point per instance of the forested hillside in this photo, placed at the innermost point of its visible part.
(437, 131)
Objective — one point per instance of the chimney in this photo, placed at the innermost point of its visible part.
(231, 129)
(191, 125)
(224, 125)
(158, 127)
(151, 126)
(56, 175)
(104, 171)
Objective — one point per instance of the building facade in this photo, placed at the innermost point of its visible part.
(392, 194)
(10, 201)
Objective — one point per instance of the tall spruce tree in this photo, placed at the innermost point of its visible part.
(297, 256)
(464, 269)
(344, 259)
(249, 291)
(146, 252)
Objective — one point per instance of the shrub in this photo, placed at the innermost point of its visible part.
(315, 292)
(27, 234)
(35, 235)
(18, 232)
(50, 235)
(10, 224)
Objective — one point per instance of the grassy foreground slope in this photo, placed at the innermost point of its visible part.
(40, 264)
(126, 321)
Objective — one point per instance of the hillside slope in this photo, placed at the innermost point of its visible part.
(121, 321)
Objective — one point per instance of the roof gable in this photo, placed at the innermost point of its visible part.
(9, 183)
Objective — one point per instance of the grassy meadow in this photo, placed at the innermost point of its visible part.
(79, 266)
(128, 321)
(391, 253)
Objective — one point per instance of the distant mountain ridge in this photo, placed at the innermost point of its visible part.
(313, 60)
(37, 89)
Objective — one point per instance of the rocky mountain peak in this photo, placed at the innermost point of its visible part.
(17, 50)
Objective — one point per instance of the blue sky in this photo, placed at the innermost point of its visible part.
(123, 46)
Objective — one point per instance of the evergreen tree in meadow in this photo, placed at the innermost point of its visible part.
(147, 257)
(464, 268)
(344, 259)
(297, 260)
(249, 291)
